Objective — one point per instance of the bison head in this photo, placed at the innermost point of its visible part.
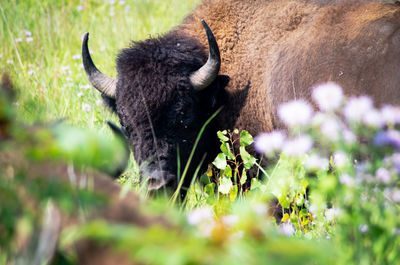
(165, 91)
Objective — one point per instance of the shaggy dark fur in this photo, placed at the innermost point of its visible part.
(272, 50)
(159, 109)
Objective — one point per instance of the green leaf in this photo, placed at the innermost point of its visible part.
(243, 178)
(220, 161)
(210, 189)
(228, 171)
(284, 201)
(285, 218)
(226, 150)
(245, 138)
(248, 159)
(205, 179)
(222, 137)
(233, 193)
(225, 185)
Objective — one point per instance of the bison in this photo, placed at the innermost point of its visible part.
(268, 52)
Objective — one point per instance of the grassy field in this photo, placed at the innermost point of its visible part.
(341, 198)
(40, 47)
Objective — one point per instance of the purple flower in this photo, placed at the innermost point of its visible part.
(328, 96)
(356, 108)
(268, 143)
(295, 113)
(388, 138)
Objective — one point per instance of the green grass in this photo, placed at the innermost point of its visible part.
(48, 73)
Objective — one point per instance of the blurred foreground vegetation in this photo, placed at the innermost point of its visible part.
(340, 202)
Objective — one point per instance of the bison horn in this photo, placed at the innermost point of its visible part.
(209, 71)
(100, 81)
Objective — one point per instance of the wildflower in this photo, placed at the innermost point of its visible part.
(112, 2)
(27, 33)
(295, 113)
(86, 107)
(287, 229)
(268, 143)
(79, 8)
(31, 72)
(230, 220)
(29, 39)
(373, 118)
(200, 215)
(16, 103)
(363, 228)
(315, 163)
(102, 48)
(298, 146)
(331, 129)
(388, 138)
(390, 114)
(65, 69)
(356, 108)
(328, 96)
(121, 3)
(396, 196)
(9, 61)
(347, 180)
(76, 57)
(99, 102)
(87, 86)
(1, 55)
(80, 94)
(332, 213)
(340, 159)
(18, 40)
(383, 175)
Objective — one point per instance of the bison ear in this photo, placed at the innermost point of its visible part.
(215, 95)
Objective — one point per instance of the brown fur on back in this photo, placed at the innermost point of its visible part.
(280, 49)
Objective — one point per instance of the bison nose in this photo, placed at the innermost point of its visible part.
(157, 179)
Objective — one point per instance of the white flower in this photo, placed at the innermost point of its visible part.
(230, 220)
(102, 48)
(315, 162)
(363, 228)
(331, 129)
(390, 114)
(287, 229)
(396, 196)
(18, 40)
(340, 159)
(357, 107)
(332, 213)
(9, 61)
(298, 146)
(1, 55)
(349, 136)
(383, 175)
(328, 96)
(200, 215)
(295, 113)
(80, 94)
(31, 72)
(29, 39)
(347, 180)
(268, 143)
(112, 2)
(65, 69)
(16, 103)
(86, 107)
(27, 33)
(99, 102)
(121, 3)
(79, 8)
(373, 118)
(76, 57)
